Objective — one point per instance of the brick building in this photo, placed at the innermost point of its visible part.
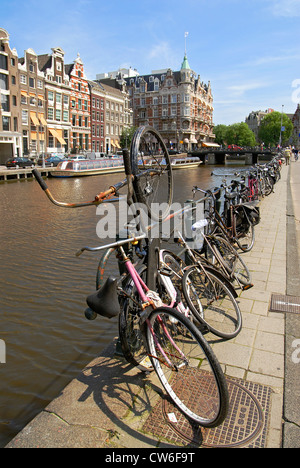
(80, 107)
(176, 103)
(10, 109)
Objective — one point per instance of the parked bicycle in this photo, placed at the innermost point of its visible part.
(183, 360)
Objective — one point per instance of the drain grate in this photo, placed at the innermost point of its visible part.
(245, 426)
(280, 303)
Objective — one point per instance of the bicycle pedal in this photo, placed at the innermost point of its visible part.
(248, 286)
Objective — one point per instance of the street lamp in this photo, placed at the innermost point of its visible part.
(280, 138)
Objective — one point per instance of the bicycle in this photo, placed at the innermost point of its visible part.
(210, 295)
(183, 360)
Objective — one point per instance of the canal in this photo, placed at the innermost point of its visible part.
(43, 288)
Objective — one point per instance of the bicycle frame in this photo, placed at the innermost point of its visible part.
(142, 290)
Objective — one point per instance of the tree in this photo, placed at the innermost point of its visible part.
(269, 130)
(220, 132)
(126, 136)
(235, 134)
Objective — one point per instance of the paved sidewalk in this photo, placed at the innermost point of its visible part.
(113, 405)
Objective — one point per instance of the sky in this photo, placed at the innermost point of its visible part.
(248, 49)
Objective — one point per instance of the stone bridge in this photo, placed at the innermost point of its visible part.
(221, 156)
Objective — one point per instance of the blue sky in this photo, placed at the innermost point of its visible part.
(248, 49)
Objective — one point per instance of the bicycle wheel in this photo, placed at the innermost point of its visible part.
(131, 338)
(153, 188)
(246, 240)
(212, 302)
(230, 259)
(187, 367)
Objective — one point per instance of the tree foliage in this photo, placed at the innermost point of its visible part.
(235, 134)
(126, 136)
(269, 130)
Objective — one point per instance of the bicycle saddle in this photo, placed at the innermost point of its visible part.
(105, 301)
(231, 196)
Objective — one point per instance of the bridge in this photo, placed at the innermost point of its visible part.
(250, 156)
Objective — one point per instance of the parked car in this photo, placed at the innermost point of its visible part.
(51, 161)
(77, 158)
(19, 162)
(234, 147)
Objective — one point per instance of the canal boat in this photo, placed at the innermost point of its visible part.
(88, 167)
(176, 163)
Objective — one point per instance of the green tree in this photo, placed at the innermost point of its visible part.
(126, 136)
(269, 130)
(220, 132)
(240, 134)
(235, 134)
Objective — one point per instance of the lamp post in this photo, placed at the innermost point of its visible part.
(280, 138)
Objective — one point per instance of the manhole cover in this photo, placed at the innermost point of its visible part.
(280, 303)
(245, 426)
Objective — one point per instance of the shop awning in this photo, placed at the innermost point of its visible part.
(117, 144)
(24, 93)
(58, 135)
(42, 120)
(210, 145)
(34, 119)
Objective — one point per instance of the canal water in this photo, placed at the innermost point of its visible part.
(44, 336)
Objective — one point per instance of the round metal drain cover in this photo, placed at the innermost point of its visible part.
(245, 426)
(244, 422)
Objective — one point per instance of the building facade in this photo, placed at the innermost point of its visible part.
(80, 107)
(97, 103)
(254, 119)
(11, 143)
(176, 103)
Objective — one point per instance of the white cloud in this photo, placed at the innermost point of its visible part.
(241, 89)
(287, 8)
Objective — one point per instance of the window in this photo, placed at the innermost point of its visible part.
(24, 117)
(58, 115)
(40, 84)
(31, 67)
(13, 80)
(23, 99)
(58, 98)
(66, 100)
(31, 82)
(155, 101)
(66, 116)
(50, 113)
(79, 104)
(5, 103)
(14, 100)
(50, 96)
(3, 81)
(165, 112)
(23, 79)
(165, 99)
(3, 62)
(85, 105)
(173, 98)
(5, 123)
(13, 62)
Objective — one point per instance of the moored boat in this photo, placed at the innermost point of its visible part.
(88, 167)
(176, 163)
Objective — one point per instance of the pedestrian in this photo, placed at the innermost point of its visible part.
(287, 155)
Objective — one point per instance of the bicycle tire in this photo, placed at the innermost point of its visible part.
(131, 339)
(187, 367)
(231, 260)
(212, 302)
(155, 191)
(246, 241)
